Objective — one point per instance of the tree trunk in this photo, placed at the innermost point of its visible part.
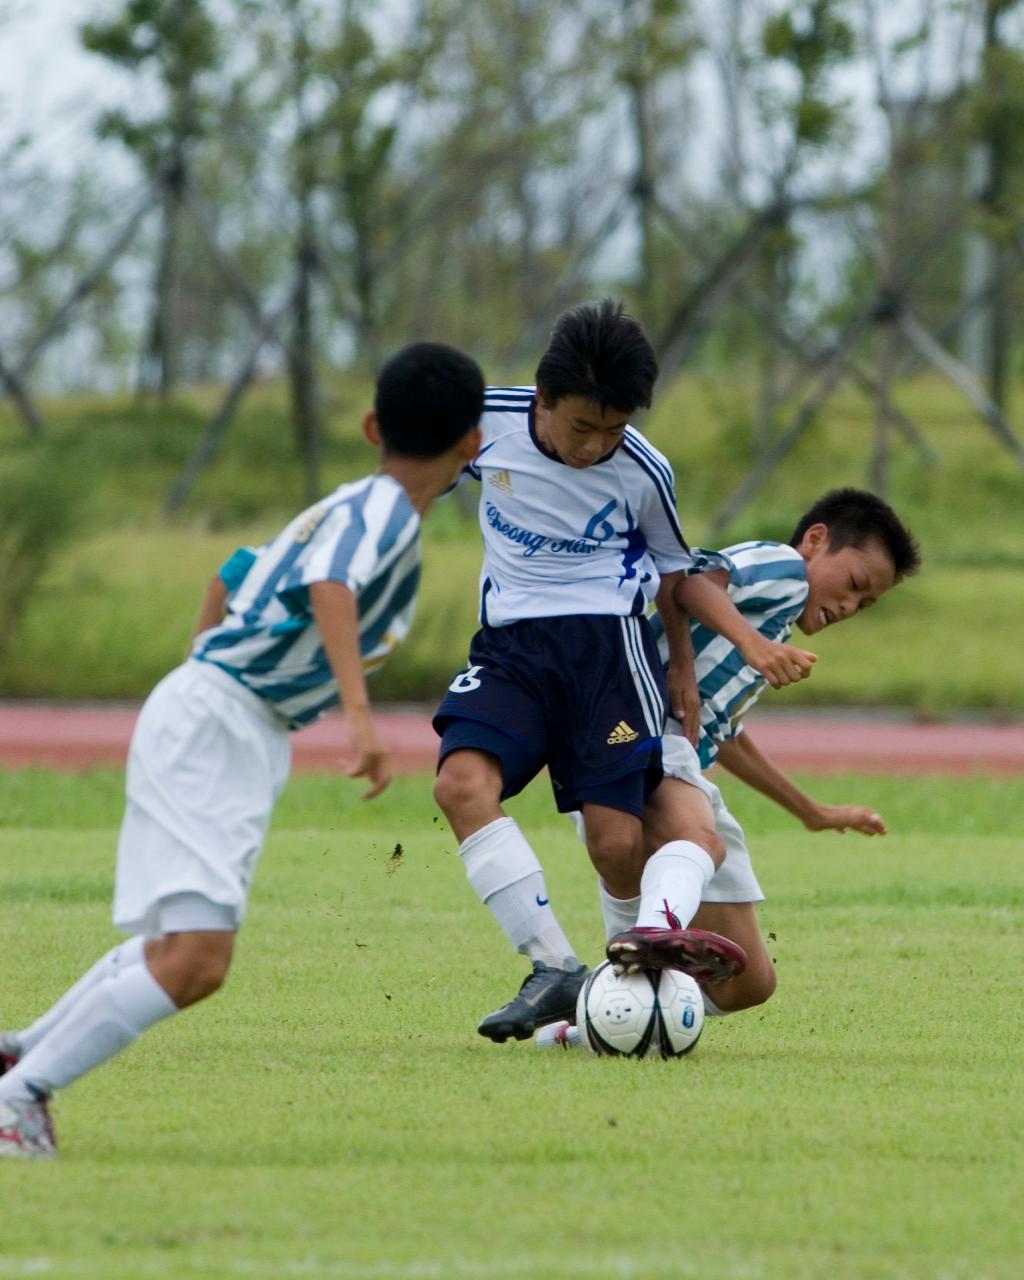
(643, 190)
(301, 361)
(159, 369)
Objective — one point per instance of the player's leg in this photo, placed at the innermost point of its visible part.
(103, 1020)
(684, 853)
(178, 971)
(15, 1044)
(756, 984)
(730, 907)
(506, 876)
(206, 764)
(688, 803)
(500, 865)
(610, 762)
(468, 789)
(615, 843)
(492, 742)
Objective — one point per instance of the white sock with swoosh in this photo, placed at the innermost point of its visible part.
(508, 879)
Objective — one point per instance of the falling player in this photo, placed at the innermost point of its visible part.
(846, 551)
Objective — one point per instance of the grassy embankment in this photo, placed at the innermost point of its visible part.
(113, 608)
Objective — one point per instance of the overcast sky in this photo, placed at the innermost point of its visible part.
(48, 84)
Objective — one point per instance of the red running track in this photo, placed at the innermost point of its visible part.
(81, 737)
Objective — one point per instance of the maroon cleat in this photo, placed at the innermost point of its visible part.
(706, 957)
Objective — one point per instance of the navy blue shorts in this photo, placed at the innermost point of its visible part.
(584, 695)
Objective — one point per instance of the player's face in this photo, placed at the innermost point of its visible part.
(578, 430)
(841, 583)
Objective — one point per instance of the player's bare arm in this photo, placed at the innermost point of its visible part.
(743, 758)
(680, 676)
(212, 608)
(337, 619)
(704, 597)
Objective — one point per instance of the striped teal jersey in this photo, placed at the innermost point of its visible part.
(365, 535)
(768, 585)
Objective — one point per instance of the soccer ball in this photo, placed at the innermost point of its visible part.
(652, 1014)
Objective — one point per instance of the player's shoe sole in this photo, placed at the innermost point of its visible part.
(706, 957)
(547, 995)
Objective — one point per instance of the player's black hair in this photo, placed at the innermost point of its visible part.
(855, 517)
(598, 352)
(428, 396)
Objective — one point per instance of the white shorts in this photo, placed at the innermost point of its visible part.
(734, 881)
(207, 762)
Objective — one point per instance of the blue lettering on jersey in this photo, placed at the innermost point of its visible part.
(598, 526)
(532, 542)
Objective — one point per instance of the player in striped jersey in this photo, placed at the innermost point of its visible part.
(846, 551)
(284, 631)
(580, 533)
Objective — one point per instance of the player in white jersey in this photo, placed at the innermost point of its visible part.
(284, 633)
(846, 551)
(580, 534)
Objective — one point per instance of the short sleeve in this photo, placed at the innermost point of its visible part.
(659, 520)
(355, 544)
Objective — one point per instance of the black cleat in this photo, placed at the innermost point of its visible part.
(547, 995)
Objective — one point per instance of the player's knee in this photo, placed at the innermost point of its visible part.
(211, 973)
(459, 783)
(763, 986)
(704, 834)
(619, 864)
(712, 844)
(191, 969)
(756, 986)
(450, 791)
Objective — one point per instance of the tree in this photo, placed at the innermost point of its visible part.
(178, 41)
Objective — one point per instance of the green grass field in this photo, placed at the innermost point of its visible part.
(333, 1113)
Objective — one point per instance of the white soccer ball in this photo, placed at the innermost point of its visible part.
(652, 1014)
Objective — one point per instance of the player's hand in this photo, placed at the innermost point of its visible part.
(780, 664)
(684, 700)
(369, 758)
(843, 817)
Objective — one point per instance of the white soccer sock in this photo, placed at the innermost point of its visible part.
(619, 913)
(117, 959)
(105, 1021)
(676, 874)
(507, 878)
(711, 1008)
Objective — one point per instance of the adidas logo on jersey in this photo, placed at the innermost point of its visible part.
(502, 480)
(621, 734)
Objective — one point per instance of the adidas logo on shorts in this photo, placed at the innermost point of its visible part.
(621, 734)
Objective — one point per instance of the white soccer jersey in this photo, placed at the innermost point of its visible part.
(768, 585)
(364, 535)
(561, 541)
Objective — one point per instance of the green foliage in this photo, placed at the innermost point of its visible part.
(332, 1113)
(813, 38)
(181, 40)
(132, 584)
(44, 490)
